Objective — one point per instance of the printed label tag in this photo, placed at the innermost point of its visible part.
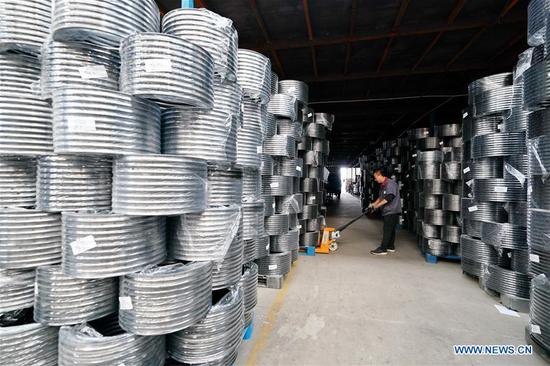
(440, 142)
(470, 182)
(125, 303)
(529, 189)
(414, 155)
(472, 208)
(299, 168)
(500, 189)
(81, 124)
(259, 149)
(299, 226)
(499, 127)
(464, 115)
(534, 258)
(93, 72)
(158, 65)
(83, 244)
(466, 170)
(274, 185)
(271, 267)
(535, 329)
(309, 115)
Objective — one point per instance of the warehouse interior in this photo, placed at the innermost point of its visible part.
(274, 182)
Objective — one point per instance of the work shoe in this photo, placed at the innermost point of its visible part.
(378, 251)
(391, 250)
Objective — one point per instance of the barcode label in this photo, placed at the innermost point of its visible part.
(81, 124)
(125, 303)
(534, 258)
(472, 208)
(500, 189)
(82, 245)
(93, 72)
(271, 267)
(259, 149)
(274, 185)
(158, 65)
(466, 170)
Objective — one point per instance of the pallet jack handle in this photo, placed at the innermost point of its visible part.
(344, 226)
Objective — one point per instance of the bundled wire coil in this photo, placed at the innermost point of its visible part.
(252, 185)
(209, 30)
(254, 75)
(275, 264)
(471, 228)
(418, 133)
(517, 213)
(516, 120)
(101, 245)
(539, 309)
(309, 185)
(539, 155)
(499, 144)
(453, 154)
(315, 172)
(430, 231)
(29, 238)
(504, 235)
(270, 126)
(478, 251)
(283, 105)
(225, 185)
(285, 242)
(314, 158)
(97, 121)
(293, 203)
(315, 130)
(486, 168)
(262, 246)
(267, 165)
(276, 224)
(158, 185)
(451, 170)
(536, 90)
(537, 125)
(451, 234)
(483, 211)
(253, 220)
(165, 299)
(274, 83)
(309, 239)
(17, 289)
(428, 170)
(17, 181)
(214, 337)
(497, 100)
(499, 190)
(538, 233)
(449, 130)
(480, 86)
(254, 116)
(312, 224)
(432, 156)
(249, 284)
(24, 26)
(280, 145)
(249, 250)
(76, 65)
(269, 205)
(322, 146)
(437, 247)
(516, 167)
(249, 146)
(506, 281)
(228, 272)
(451, 202)
(540, 192)
(83, 345)
(309, 212)
(29, 344)
(436, 186)
(298, 89)
(25, 120)
(167, 69)
(428, 143)
(204, 236)
(326, 119)
(438, 217)
(103, 22)
(536, 21)
(63, 300)
(288, 167)
(277, 185)
(519, 261)
(539, 261)
(211, 136)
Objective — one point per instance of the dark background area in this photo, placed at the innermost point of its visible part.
(395, 63)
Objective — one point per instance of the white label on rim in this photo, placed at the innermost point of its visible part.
(472, 208)
(82, 245)
(125, 303)
(426, 132)
(470, 182)
(259, 149)
(271, 267)
(440, 142)
(93, 72)
(414, 155)
(310, 115)
(313, 198)
(534, 258)
(273, 205)
(407, 176)
(299, 168)
(274, 185)
(499, 127)
(529, 189)
(81, 124)
(535, 329)
(158, 65)
(465, 114)
(500, 189)
(466, 170)
(299, 226)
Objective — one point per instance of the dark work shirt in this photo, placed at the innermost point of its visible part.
(390, 188)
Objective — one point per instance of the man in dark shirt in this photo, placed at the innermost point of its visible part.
(390, 202)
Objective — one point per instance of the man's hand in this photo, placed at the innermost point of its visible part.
(371, 207)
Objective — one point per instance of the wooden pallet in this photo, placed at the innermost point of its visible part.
(275, 282)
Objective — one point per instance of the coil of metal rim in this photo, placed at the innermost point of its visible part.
(539, 310)
(497, 100)
(476, 254)
(262, 246)
(209, 30)
(293, 203)
(254, 116)
(451, 202)
(266, 164)
(538, 231)
(100, 245)
(274, 83)
(17, 289)
(539, 261)
(504, 235)
(29, 344)
(325, 119)
(309, 212)
(515, 120)
(453, 154)
(451, 234)
(499, 190)
(451, 170)
(269, 205)
(536, 88)
(314, 158)
(24, 26)
(228, 272)
(165, 299)
(17, 181)
(214, 337)
(283, 105)
(254, 75)
(251, 185)
(285, 242)
(539, 155)
(438, 217)
(25, 120)
(483, 211)
(499, 144)
(480, 86)
(428, 143)
(275, 264)
(70, 183)
(277, 185)
(290, 128)
(418, 133)
(448, 130)
(86, 346)
(159, 185)
(536, 21)
(63, 300)
(225, 185)
(97, 121)
(428, 170)
(519, 261)
(249, 146)
(276, 224)
(315, 130)
(517, 213)
(431, 231)
(437, 247)
(298, 89)
(436, 186)
(168, 70)
(29, 238)
(485, 168)
(211, 136)
(312, 224)
(507, 282)
(471, 228)
(309, 239)
(270, 126)
(540, 193)
(253, 219)
(204, 236)
(288, 167)
(280, 145)
(103, 22)
(309, 185)
(537, 123)
(77, 65)
(249, 284)
(315, 172)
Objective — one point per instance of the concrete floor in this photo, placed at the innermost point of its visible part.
(351, 308)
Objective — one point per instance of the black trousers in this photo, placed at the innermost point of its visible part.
(390, 226)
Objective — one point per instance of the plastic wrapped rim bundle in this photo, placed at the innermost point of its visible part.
(297, 89)
(71, 183)
(29, 238)
(280, 145)
(228, 272)
(539, 310)
(477, 251)
(451, 202)
(435, 186)
(249, 284)
(274, 264)
(25, 120)
(451, 170)
(100, 245)
(168, 70)
(277, 224)
(283, 105)
(499, 190)
(266, 164)
(432, 201)
(290, 204)
(204, 236)
(499, 144)
(325, 119)
(269, 205)
(504, 235)
(225, 185)
(63, 300)
(74, 20)
(252, 188)
(536, 21)
(71, 64)
(428, 170)
(165, 299)
(309, 185)
(438, 217)
(485, 168)
(249, 146)
(209, 30)
(448, 130)
(254, 75)
(428, 143)
(451, 234)
(286, 242)
(540, 192)
(159, 185)
(437, 247)
(430, 231)
(215, 337)
(262, 246)
(17, 181)
(315, 130)
(538, 240)
(484, 84)
(277, 185)
(83, 345)
(24, 26)
(204, 135)
(17, 289)
(483, 211)
(96, 121)
(418, 133)
(506, 281)
(290, 128)
(309, 239)
(253, 220)
(432, 156)
(288, 167)
(309, 212)
(29, 344)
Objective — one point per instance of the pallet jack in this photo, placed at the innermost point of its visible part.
(327, 242)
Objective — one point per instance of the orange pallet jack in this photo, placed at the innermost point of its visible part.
(327, 242)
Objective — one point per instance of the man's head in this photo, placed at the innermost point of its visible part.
(379, 176)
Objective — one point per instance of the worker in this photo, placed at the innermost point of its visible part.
(389, 201)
